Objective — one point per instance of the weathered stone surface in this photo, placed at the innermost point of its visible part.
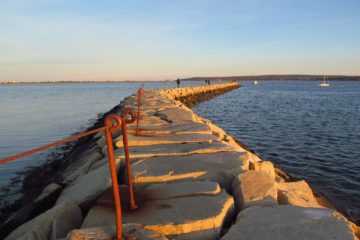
(138, 232)
(281, 176)
(130, 231)
(172, 128)
(43, 227)
(81, 166)
(87, 187)
(16, 219)
(297, 194)
(254, 188)
(102, 213)
(50, 191)
(219, 167)
(181, 189)
(167, 139)
(289, 222)
(99, 163)
(176, 114)
(174, 149)
(98, 233)
(151, 120)
(252, 157)
(266, 167)
(159, 102)
(101, 141)
(220, 133)
(177, 218)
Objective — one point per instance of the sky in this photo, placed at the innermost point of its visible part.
(72, 40)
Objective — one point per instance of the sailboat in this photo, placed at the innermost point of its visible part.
(324, 84)
(256, 82)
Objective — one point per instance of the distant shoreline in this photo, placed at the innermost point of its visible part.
(72, 82)
(281, 77)
(277, 77)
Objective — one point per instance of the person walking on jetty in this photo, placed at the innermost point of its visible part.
(178, 82)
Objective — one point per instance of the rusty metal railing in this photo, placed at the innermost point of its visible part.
(113, 123)
(125, 112)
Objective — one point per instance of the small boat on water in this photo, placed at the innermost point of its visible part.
(324, 84)
(256, 82)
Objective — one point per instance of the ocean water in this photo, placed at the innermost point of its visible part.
(37, 114)
(310, 132)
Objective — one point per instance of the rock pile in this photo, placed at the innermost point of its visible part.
(192, 181)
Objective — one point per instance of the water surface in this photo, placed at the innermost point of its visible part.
(311, 132)
(32, 115)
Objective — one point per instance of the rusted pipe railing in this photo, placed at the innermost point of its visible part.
(128, 111)
(111, 158)
(51, 145)
(112, 123)
(139, 93)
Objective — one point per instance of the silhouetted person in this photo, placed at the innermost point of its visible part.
(178, 82)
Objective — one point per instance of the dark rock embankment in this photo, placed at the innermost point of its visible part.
(42, 185)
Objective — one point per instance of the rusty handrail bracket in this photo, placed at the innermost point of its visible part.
(128, 111)
(112, 127)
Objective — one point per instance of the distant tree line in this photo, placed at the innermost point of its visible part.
(276, 77)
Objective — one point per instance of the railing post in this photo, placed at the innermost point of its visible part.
(110, 151)
(127, 155)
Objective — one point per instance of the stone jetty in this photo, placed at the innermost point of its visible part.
(192, 181)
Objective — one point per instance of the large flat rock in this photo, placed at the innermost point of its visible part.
(289, 222)
(49, 193)
(176, 115)
(172, 128)
(297, 194)
(153, 192)
(219, 167)
(52, 224)
(167, 139)
(254, 188)
(81, 164)
(181, 189)
(129, 231)
(174, 149)
(149, 105)
(87, 187)
(78, 170)
(178, 218)
(266, 167)
(151, 120)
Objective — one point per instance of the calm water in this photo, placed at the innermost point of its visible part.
(312, 133)
(37, 114)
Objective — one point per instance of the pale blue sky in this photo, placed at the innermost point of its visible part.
(46, 40)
